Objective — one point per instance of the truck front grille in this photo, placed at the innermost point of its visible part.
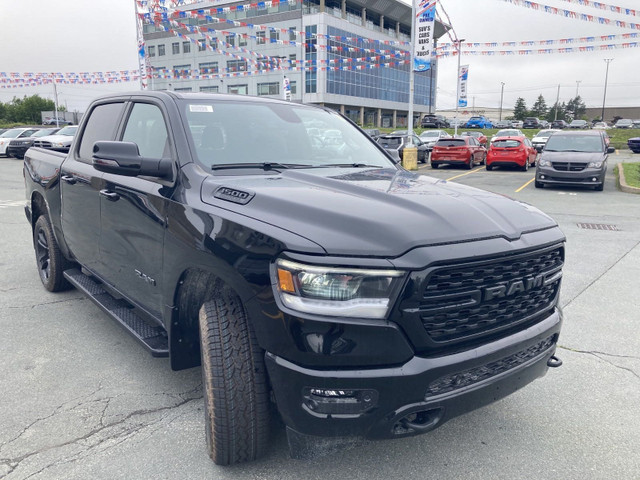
(469, 300)
(569, 167)
(42, 144)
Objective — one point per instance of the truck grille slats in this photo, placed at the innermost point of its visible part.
(569, 167)
(471, 300)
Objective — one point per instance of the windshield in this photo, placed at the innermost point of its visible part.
(390, 141)
(430, 133)
(68, 131)
(575, 143)
(244, 132)
(507, 133)
(44, 132)
(13, 133)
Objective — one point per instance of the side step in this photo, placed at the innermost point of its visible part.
(153, 337)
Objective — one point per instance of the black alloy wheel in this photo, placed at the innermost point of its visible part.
(50, 261)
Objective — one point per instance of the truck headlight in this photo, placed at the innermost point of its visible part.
(57, 144)
(336, 291)
(544, 163)
(594, 164)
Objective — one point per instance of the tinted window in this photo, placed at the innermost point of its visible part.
(102, 124)
(451, 142)
(575, 143)
(146, 128)
(391, 141)
(506, 144)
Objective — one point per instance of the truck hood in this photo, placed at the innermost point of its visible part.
(378, 212)
(56, 139)
(574, 157)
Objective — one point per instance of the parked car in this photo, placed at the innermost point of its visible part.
(624, 123)
(465, 151)
(634, 144)
(478, 122)
(502, 124)
(507, 132)
(559, 124)
(636, 123)
(372, 132)
(434, 121)
(540, 139)
(517, 123)
(56, 121)
(481, 137)
(60, 142)
(18, 146)
(430, 137)
(544, 124)
(457, 122)
(574, 158)
(399, 142)
(511, 152)
(531, 122)
(579, 124)
(12, 133)
(601, 126)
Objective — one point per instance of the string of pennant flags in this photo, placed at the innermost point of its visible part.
(574, 15)
(530, 43)
(604, 6)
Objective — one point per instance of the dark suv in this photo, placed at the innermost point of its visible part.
(434, 121)
(574, 158)
(531, 122)
(559, 124)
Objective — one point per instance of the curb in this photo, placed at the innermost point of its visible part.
(622, 183)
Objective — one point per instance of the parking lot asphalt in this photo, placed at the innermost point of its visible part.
(80, 399)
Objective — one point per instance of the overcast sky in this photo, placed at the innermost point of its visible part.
(80, 36)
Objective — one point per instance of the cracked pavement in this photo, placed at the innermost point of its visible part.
(81, 399)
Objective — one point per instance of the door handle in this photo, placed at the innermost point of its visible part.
(70, 179)
(109, 195)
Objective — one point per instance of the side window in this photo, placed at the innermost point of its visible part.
(146, 128)
(102, 125)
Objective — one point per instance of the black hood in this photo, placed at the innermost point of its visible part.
(380, 212)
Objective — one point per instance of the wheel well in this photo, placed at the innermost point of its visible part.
(38, 207)
(195, 287)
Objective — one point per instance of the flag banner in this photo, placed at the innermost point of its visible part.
(463, 76)
(423, 26)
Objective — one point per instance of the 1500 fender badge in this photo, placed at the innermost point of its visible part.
(145, 277)
(231, 195)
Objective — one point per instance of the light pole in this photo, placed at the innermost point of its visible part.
(457, 42)
(577, 87)
(501, 98)
(606, 78)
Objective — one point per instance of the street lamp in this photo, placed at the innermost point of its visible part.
(606, 78)
(501, 97)
(457, 42)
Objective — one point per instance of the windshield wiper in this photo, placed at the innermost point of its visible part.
(348, 165)
(262, 165)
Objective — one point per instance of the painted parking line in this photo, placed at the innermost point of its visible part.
(463, 174)
(525, 185)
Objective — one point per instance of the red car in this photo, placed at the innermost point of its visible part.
(465, 151)
(511, 151)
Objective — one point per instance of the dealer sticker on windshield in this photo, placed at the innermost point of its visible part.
(201, 108)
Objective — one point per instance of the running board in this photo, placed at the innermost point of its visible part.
(153, 337)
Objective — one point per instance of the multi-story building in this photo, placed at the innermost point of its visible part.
(350, 55)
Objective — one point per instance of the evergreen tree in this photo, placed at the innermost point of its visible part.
(520, 111)
(540, 108)
(576, 107)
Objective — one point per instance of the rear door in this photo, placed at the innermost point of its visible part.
(80, 186)
(133, 212)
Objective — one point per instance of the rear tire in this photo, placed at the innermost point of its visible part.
(434, 165)
(50, 261)
(489, 167)
(236, 395)
(525, 167)
(470, 166)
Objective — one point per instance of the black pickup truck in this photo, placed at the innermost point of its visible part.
(282, 249)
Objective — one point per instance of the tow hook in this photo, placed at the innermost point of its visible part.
(554, 362)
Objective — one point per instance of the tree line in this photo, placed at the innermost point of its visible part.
(574, 109)
(25, 110)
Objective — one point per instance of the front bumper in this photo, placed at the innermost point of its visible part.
(17, 152)
(412, 398)
(586, 177)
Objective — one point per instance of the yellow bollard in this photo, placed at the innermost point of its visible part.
(410, 158)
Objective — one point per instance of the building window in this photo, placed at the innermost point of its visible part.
(236, 65)
(274, 36)
(231, 40)
(202, 45)
(272, 88)
(161, 50)
(152, 51)
(292, 84)
(208, 67)
(260, 38)
(210, 89)
(175, 48)
(182, 89)
(292, 59)
(242, 41)
(292, 33)
(238, 89)
(213, 43)
(186, 47)
(181, 70)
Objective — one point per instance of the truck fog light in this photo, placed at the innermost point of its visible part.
(542, 177)
(594, 179)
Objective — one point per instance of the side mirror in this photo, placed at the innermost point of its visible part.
(123, 158)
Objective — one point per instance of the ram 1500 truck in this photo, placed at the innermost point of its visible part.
(282, 249)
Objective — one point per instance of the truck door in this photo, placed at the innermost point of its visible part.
(80, 186)
(133, 219)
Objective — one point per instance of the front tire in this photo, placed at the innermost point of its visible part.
(50, 261)
(236, 394)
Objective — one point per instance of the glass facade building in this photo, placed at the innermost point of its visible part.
(344, 54)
